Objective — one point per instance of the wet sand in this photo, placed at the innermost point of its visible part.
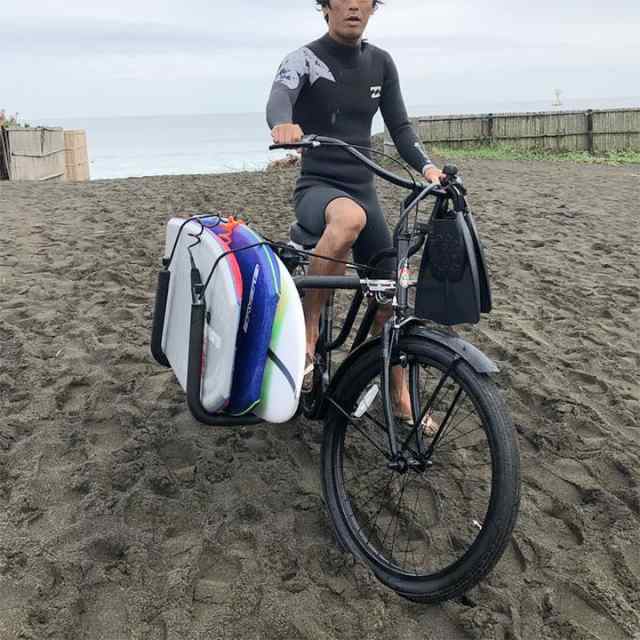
(121, 517)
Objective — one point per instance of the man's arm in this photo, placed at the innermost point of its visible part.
(395, 117)
(289, 82)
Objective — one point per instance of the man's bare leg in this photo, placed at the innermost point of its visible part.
(399, 386)
(400, 397)
(345, 220)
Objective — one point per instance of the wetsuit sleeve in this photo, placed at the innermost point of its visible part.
(292, 75)
(395, 117)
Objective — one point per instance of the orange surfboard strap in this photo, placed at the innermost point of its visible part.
(228, 227)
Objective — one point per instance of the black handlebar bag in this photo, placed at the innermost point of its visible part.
(453, 285)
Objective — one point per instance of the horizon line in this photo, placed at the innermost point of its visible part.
(252, 113)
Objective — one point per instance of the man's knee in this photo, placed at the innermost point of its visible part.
(345, 220)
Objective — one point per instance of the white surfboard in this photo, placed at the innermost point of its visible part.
(223, 298)
(284, 370)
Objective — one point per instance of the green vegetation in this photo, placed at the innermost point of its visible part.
(505, 152)
(11, 120)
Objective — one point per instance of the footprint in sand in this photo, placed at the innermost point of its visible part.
(71, 395)
(596, 610)
(216, 578)
(180, 457)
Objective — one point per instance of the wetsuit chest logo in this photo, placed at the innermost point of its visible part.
(376, 92)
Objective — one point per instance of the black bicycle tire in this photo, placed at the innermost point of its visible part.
(480, 559)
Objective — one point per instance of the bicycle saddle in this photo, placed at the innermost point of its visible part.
(300, 236)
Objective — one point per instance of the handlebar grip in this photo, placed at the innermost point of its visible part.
(293, 145)
(307, 142)
(273, 147)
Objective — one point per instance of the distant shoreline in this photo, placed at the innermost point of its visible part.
(452, 108)
(136, 146)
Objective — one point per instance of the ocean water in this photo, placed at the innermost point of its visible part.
(162, 145)
(215, 143)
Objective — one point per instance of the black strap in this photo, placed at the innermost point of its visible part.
(285, 371)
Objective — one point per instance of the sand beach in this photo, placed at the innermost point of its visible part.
(122, 517)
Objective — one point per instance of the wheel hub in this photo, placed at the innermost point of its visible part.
(400, 464)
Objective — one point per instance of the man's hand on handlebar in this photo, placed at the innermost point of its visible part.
(286, 133)
(433, 175)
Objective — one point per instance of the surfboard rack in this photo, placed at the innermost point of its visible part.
(159, 310)
(194, 377)
(198, 311)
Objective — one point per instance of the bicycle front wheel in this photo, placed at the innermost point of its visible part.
(433, 522)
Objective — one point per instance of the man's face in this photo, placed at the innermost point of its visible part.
(348, 18)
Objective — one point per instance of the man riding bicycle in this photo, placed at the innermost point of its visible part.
(333, 87)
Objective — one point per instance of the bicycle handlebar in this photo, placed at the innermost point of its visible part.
(312, 142)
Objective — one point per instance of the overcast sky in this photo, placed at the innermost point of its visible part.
(141, 57)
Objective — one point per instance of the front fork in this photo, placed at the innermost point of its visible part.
(390, 339)
(419, 456)
(389, 336)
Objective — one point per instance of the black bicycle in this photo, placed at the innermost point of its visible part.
(429, 503)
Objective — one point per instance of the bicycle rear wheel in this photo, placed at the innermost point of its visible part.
(433, 529)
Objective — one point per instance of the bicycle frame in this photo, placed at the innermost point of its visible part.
(400, 306)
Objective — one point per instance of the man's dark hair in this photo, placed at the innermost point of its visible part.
(327, 3)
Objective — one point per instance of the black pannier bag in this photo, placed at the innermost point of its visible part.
(453, 285)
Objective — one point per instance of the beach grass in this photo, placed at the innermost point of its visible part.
(506, 152)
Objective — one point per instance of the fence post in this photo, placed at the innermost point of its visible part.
(5, 164)
(490, 128)
(589, 116)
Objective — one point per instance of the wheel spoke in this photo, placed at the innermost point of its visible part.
(395, 530)
(359, 430)
(413, 513)
(364, 473)
(381, 504)
(462, 435)
(377, 493)
(384, 429)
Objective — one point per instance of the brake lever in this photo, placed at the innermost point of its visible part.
(460, 185)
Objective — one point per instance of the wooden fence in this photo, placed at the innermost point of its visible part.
(76, 158)
(43, 154)
(596, 131)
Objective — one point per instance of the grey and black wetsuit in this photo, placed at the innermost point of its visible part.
(334, 90)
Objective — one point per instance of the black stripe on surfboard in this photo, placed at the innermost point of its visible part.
(285, 371)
